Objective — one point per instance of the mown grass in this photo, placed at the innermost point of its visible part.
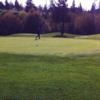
(48, 46)
(92, 37)
(49, 69)
(27, 77)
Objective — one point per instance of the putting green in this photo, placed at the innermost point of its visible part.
(48, 46)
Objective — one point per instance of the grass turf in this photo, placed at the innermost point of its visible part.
(29, 77)
(48, 46)
(93, 37)
(36, 70)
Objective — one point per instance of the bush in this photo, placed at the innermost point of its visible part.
(84, 24)
(9, 23)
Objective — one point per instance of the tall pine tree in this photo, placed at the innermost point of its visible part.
(1, 5)
(60, 15)
(7, 5)
(73, 6)
(17, 5)
(29, 5)
(93, 8)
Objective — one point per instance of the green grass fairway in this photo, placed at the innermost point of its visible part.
(48, 46)
(26, 77)
(94, 37)
(49, 69)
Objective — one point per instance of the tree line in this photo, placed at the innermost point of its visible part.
(57, 17)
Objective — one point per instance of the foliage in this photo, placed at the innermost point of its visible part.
(10, 23)
(29, 6)
(84, 23)
(56, 18)
(34, 23)
(1, 5)
(17, 5)
(60, 14)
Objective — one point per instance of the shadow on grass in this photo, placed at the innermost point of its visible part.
(48, 58)
(22, 58)
(65, 36)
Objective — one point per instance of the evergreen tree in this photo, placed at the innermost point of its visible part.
(17, 5)
(29, 5)
(99, 5)
(52, 4)
(73, 6)
(93, 8)
(45, 12)
(62, 3)
(1, 5)
(60, 15)
(7, 5)
(80, 7)
(11, 5)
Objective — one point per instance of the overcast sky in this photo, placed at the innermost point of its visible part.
(85, 3)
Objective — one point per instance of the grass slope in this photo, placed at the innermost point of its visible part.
(26, 77)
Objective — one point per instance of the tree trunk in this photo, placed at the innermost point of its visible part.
(39, 35)
(62, 29)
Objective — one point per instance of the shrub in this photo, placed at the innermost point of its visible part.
(84, 24)
(9, 23)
